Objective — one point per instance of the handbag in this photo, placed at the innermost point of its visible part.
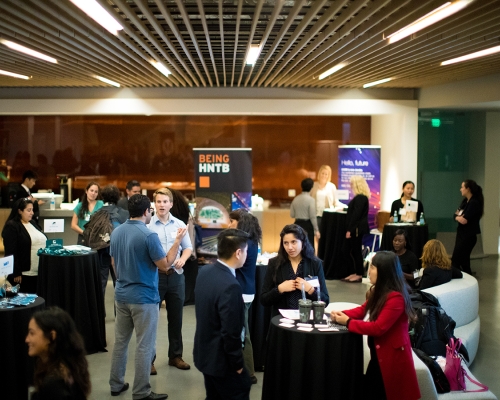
(454, 371)
(440, 381)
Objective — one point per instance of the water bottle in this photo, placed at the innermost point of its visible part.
(396, 218)
(52, 202)
(422, 219)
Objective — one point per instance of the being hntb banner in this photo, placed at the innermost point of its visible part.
(223, 180)
(364, 161)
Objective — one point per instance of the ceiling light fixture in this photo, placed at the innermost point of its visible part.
(332, 70)
(25, 50)
(14, 75)
(367, 85)
(477, 54)
(160, 67)
(95, 11)
(253, 54)
(438, 14)
(108, 81)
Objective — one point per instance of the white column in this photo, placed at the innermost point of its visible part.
(491, 188)
(397, 134)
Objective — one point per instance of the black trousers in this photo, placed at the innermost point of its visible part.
(464, 243)
(308, 227)
(353, 254)
(232, 386)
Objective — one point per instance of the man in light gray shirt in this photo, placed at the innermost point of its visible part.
(303, 209)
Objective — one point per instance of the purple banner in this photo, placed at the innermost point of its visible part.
(363, 161)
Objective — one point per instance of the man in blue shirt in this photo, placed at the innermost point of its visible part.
(137, 255)
(171, 284)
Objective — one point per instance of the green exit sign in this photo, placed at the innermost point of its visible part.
(435, 122)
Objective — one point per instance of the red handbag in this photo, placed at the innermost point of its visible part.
(455, 372)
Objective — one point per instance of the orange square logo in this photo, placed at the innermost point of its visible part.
(204, 181)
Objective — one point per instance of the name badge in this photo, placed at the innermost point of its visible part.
(313, 281)
(402, 211)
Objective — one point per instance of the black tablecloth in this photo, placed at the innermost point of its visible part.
(418, 235)
(330, 245)
(16, 367)
(312, 365)
(259, 318)
(73, 283)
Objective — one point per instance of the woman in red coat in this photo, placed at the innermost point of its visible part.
(384, 318)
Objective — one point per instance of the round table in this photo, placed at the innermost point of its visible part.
(331, 243)
(16, 367)
(312, 365)
(418, 235)
(73, 283)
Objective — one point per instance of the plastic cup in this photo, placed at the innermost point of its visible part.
(319, 311)
(305, 310)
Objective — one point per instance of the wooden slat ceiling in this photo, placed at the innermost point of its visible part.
(204, 42)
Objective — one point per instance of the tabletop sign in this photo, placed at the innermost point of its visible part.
(6, 265)
(53, 225)
(54, 244)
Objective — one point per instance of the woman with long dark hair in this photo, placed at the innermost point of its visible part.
(468, 214)
(384, 318)
(61, 370)
(243, 220)
(22, 237)
(88, 205)
(290, 270)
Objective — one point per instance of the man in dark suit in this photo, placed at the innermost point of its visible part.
(29, 180)
(220, 334)
(133, 187)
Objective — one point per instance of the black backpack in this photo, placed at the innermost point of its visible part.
(440, 380)
(433, 328)
(97, 232)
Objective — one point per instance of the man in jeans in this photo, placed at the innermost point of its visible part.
(137, 255)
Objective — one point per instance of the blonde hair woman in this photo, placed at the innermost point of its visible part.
(324, 192)
(357, 226)
(436, 265)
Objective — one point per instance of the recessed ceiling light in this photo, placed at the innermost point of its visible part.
(25, 50)
(253, 54)
(434, 16)
(14, 75)
(108, 81)
(95, 11)
(332, 70)
(160, 67)
(477, 54)
(367, 85)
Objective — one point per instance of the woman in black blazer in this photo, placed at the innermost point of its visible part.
(357, 226)
(397, 205)
(22, 237)
(467, 215)
(287, 272)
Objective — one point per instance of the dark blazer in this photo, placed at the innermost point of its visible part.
(219, 321)
(397, 204)
(357, 216)
(246, 274)
(472, 212)
(434, 276)
(271, 297)
(17, 242)
(123, 203)
(21, 194)
(392, 344)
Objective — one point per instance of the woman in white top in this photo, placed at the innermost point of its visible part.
(22, 238)
(324, 192)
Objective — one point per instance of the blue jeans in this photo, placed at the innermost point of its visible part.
(144, 319)
(172, 289)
